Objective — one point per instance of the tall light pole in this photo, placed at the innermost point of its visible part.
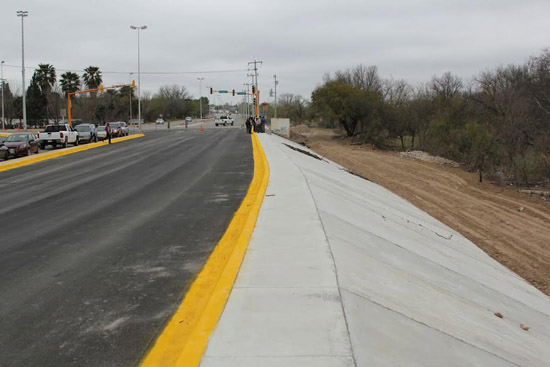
(276, 83)
(131, 92)
(200, 93)
(23, 14)
(2, 80)
(139, 74)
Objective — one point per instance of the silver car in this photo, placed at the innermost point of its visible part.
(87, 133)
(101, 133)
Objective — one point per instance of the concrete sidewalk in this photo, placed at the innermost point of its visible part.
(341, 272)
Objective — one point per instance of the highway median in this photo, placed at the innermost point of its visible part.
(11, 164)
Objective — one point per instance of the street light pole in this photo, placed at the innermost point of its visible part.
(200, 93)
(23, 14)
(2, 80)
(276, 82)
(131, 92)
(139, 74)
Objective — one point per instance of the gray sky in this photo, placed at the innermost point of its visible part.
(298, 40)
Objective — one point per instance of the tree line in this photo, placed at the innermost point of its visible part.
(497, 124)
(46, 98)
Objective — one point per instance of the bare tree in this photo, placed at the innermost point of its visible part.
(446, 86)
(173, 92)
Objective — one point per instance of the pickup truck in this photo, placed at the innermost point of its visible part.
(58, 134)
(224, 120)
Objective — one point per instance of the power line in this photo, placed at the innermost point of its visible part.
(144, 72)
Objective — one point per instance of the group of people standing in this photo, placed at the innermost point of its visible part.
(255, 124)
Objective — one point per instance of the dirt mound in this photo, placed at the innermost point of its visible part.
(426, 157)
(300, 133)
(301, 129)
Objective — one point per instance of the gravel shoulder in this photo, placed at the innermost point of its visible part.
(512, 228)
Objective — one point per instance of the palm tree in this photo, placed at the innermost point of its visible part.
(70, 82)
(92, 77)
(45, 77)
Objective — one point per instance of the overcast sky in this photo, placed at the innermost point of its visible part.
(299, 40)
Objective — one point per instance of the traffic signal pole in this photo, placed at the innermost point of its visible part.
(255, 90)
(100, 89)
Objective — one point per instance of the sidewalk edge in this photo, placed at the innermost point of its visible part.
(185, 337)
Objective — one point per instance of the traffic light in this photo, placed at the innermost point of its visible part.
(133, 84)
(253, 89)
(233, 91)
(211, 90)
(254, 101)
(101, 88)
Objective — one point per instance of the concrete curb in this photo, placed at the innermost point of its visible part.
(7, 165)
(186, 335)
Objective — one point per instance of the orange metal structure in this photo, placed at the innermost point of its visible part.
(100, 89)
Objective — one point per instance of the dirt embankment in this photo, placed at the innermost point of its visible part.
(512, 228)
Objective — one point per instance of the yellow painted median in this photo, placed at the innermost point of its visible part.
(7, 165)
(185, 337)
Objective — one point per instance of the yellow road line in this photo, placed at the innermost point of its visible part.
(7, 165)
(184, 339)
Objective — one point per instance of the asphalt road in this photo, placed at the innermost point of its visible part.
(97, 248)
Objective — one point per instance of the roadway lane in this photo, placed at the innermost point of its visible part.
(97, 247)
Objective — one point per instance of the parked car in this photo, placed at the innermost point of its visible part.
(86, 132)
(115, 129)
(101, 133)
(20, 144)
(118, 129)
(124, 128)
(55, 134)
(159, 121)
(224, 120)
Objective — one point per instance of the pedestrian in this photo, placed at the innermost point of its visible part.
(262, 124)
(253, 124)
(248, 124)
(108, 130)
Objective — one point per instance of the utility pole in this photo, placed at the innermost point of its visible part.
(23, 14)
(276, 82)
(256, 92)
(200, 93)
(2, 80)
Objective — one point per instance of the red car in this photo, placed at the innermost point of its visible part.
(20, 144)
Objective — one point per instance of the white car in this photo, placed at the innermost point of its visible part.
(159, 121)
(101, 133)
(224, 120)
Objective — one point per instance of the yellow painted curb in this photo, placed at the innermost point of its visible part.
(7, 165)
(185, 337)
